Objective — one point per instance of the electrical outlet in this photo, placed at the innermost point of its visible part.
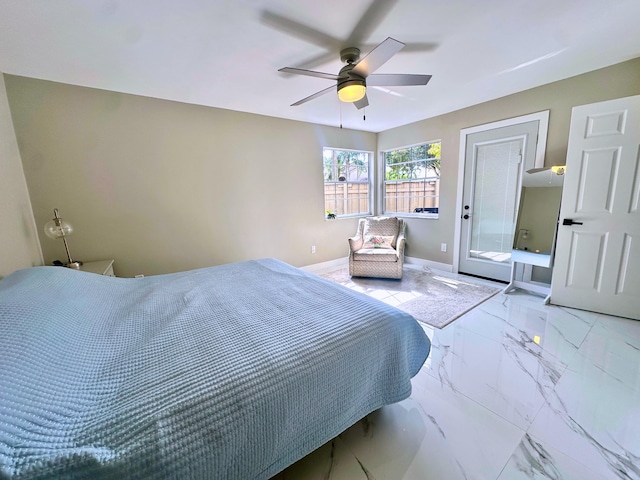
(313, 249)
(443, 247)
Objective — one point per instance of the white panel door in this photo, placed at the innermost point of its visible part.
(597, 264)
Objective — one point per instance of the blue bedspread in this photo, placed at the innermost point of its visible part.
(229, 372)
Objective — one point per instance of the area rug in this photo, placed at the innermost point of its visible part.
(430, 298)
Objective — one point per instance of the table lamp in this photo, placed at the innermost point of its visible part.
(58, 228)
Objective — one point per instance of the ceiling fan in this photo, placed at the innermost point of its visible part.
(357, 74)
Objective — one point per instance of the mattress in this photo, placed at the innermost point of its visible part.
(229, 372)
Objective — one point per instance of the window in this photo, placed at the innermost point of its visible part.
(412, 180)
(347, 184)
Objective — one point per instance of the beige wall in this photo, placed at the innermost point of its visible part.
(18, 236)
(163, 186)
(424, 235)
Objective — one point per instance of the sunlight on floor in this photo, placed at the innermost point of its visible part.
(501, 257)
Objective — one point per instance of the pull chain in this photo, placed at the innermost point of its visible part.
(340, 114)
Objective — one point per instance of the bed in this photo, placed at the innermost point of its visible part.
(229, 372)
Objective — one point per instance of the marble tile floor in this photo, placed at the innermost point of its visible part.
(514, 389)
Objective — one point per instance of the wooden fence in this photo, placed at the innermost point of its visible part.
(402, 197)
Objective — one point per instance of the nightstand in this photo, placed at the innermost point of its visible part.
(101, 267)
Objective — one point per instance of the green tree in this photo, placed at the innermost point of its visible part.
(434, 152)
(339, 164)
(397, 164)
(406, 163)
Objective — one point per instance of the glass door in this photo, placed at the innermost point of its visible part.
(493, 168)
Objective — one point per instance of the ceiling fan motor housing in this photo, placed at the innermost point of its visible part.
(346, 77)
(350, 54)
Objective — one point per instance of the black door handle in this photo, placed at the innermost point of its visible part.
(465, 216)
(569, 221)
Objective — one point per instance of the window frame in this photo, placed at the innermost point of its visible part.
(370, 183)
(383, 182)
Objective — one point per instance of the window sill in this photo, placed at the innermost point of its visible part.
(428, 216)
(346, 217)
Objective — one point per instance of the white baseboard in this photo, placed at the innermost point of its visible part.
(326, 266)
(413, 262)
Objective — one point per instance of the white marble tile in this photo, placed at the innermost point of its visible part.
(436, 433)
(332, 461)
(535, 460)
(620, 327)
(614, 346)
(511, 378)
(593, 416)
(552, 331)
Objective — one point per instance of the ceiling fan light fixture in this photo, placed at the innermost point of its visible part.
(352, 91)
(354, 76)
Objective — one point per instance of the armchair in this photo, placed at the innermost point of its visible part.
(377, 249)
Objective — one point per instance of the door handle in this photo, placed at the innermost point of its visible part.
(465, 216)
(569, 221)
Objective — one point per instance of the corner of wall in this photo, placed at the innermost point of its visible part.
(19, 235)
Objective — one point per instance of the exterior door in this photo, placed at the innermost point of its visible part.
(597, 263)
(493, 170)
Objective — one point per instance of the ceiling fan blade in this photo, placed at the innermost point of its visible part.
(419, 47)
(363, 102)
(369, 21)
(315, 95)
(377, 57)
(396, 79)
(408, 48)
(304, 32)
(320, 59)
(309, 73)
(536, 170)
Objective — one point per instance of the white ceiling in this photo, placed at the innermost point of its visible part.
(226, 53)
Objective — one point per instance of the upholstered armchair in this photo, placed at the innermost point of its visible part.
(377, 249)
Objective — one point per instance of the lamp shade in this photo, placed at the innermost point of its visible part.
(352, 91)
(58, 228)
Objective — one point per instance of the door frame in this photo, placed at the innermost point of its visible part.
(541, 147)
